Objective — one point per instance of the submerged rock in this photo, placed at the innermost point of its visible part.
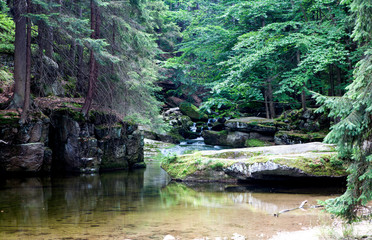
(263, 163)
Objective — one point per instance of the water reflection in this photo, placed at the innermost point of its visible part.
(140, 205)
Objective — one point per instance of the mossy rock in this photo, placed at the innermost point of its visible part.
(9, 118)
(73, 113)
(252, 124)
(192, 111)
(301, 160)
(295, 137)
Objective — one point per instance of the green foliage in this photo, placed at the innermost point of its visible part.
(352, 133)
(218, 166)
(236, 48)
(7, 33)
(169, 159)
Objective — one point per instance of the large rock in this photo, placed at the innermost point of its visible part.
(27, 157)
(93, 145)
(311, 160)
(234, 139)
(192, 111)
(252, 124)
(296, 137)
(22, 146)
(215, 138)
(67, 142)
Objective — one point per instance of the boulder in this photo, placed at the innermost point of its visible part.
(234, 139)
(215, 138)
(26, 157)
(296, 137)
(310, 160)
(192, 111)
(252, 124)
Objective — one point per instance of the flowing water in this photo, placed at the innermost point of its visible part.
(143, 204)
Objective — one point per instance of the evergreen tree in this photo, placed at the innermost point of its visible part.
(353, 133)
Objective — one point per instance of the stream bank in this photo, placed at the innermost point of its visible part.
(61, 140)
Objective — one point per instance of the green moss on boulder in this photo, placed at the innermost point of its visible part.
(258, 163)
(192, 111)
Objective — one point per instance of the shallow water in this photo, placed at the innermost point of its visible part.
(144, 205)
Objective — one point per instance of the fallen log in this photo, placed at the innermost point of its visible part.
(288, 210)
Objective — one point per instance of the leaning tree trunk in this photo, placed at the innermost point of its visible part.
(19, 54)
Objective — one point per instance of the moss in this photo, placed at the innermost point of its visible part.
(112, 163)
(217, 166)
(317, 164)
(76, 115)
(223, 132)
(175, 135)
(106, 126)
(192, 111)
(303, 137)
(5, 76)
(233, 154)
(255, 143)
(9, 118)
(314, 166)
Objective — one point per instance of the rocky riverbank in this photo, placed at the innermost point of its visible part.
(62, 140)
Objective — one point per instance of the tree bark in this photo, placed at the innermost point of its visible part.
(270, 98)
(19, 54)
(266, 105)
(331, 91)
(339, 81)
(303, 93)
(93, 65)
(26, 104)
(80, 61)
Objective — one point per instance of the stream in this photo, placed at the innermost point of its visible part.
(144, 204)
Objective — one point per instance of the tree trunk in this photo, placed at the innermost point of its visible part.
(303, 99)
(80, 62)
(303, 93)
(19, 54)
(270, 98)
(266, 105)
(339, 81)
(93, 65)
(331, 91)
(26, 104)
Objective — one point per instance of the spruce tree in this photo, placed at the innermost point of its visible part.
(353, 133)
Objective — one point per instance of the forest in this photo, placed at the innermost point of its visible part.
(230, 58)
